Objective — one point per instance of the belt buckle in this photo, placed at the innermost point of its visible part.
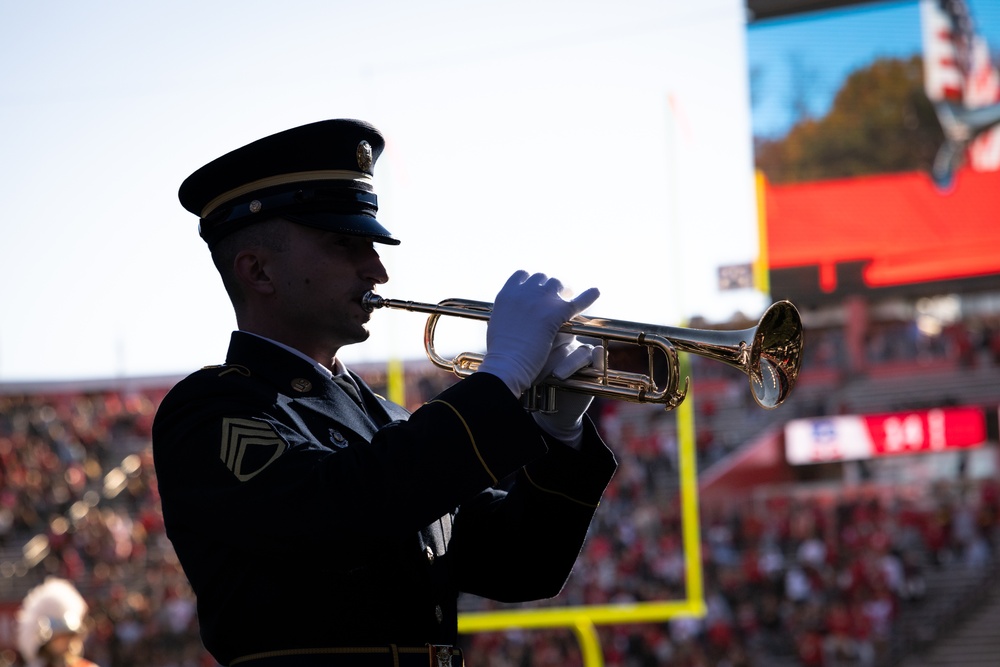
(440, 655)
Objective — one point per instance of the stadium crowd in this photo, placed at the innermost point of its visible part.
(821, 577)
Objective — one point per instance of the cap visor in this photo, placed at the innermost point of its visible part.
(352, 225)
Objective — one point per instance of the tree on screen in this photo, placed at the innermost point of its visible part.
(880, 122)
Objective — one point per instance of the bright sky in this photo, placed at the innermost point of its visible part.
(608, 144)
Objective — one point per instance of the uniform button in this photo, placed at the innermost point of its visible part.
(438, 613)
(429, 553)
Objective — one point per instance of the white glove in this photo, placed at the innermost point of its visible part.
(567, 357)
(526, 317)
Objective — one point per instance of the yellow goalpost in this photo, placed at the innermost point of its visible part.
(584, 619)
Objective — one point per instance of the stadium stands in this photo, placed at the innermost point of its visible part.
(800, 575)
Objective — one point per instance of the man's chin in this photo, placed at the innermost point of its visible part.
(360, 335)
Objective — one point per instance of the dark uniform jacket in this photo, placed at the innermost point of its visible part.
(302, 522)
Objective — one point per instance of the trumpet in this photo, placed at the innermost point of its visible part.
(769, 353)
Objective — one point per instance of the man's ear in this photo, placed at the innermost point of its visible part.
(250, 267)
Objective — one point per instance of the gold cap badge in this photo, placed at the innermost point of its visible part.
(364, 156)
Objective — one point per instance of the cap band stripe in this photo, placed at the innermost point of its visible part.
(283, 179)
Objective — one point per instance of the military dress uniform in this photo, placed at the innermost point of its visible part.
(316, 530)
(305, 521)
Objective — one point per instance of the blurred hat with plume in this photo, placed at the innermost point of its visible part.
(50, 609)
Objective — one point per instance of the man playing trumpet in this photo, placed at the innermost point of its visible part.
(319, 523)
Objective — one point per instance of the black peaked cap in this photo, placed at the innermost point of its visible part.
(319, 175)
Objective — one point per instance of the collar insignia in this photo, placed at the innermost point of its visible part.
(337, 438)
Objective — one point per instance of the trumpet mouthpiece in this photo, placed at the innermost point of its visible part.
(370, 301)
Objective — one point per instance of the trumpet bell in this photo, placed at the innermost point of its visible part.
(776, 353)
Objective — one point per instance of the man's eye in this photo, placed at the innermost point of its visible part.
(354, 243)
(343, 241)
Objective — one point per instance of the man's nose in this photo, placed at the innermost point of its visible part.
(375, 271)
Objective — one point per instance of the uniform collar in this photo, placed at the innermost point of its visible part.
(297, 376)
(320, 368)
(288, 370)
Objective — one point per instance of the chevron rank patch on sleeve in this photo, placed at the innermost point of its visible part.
(249, 446)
